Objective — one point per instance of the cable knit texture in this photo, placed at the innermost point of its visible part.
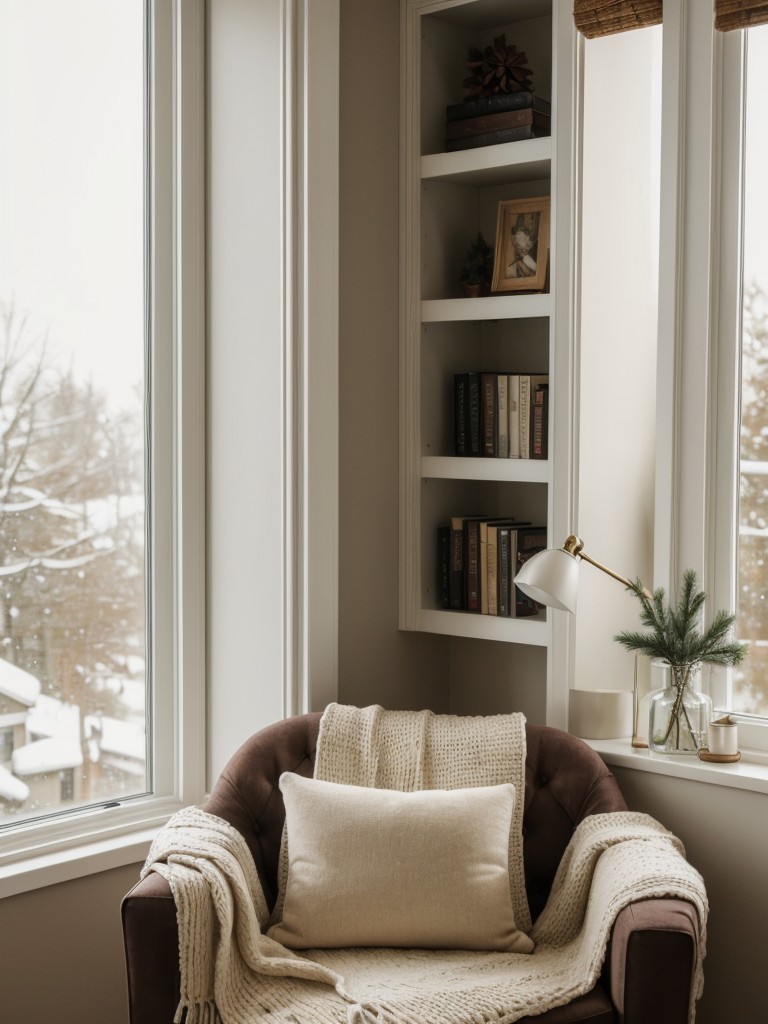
(233, 974)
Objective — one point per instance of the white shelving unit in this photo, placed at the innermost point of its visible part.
(446, 199)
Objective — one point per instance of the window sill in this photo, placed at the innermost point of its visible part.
(84, 859)
(750, 773)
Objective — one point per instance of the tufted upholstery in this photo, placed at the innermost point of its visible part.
(564, 782)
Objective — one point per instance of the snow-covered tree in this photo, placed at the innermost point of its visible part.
(71, 525)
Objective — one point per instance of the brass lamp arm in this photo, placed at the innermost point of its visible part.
(575, 546)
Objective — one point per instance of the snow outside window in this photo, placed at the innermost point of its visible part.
(74, 502)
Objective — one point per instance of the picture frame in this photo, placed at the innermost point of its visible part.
(522, 245)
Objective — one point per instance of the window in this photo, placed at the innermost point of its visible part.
(73, 649)
(750, 681)
(100, 498)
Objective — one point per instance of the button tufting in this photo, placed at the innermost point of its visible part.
(543, 780)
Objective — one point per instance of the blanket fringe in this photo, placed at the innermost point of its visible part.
(364, 1013)
(197, 1013)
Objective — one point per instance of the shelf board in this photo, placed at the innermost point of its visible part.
(491, 307)
(438, 467)
(527, 160)
(531, 630)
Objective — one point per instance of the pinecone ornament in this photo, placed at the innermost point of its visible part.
(497, 70)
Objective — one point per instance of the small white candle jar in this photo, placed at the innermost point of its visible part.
(723, 737)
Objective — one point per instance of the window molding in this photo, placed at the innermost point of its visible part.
(67, 845)
(686, 274)
(310, 47)
(725, 385)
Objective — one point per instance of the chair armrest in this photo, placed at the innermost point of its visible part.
(652, 955)
(151, 951)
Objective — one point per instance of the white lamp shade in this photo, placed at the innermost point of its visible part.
(551, 577)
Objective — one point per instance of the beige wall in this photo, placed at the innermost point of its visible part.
(61, 952)
(377, 663)
(725, 832)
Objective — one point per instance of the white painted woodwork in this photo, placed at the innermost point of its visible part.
(451, 467)
(272, 363)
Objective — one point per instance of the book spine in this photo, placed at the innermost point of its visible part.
(488, 410)
(511, 572)
(492, 570)
(490, 138)
(529, 542)
(444, 567)
(483, 560)
(460, 412)
(488, 123)
(494, 104)
(456, 581)
(472, 563)
(475, 436)
(525, 416)
(502, 417)
(513, 402)
(503, 572)
(540, 423)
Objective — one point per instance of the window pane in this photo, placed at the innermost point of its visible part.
(73, 652)
(750, 688)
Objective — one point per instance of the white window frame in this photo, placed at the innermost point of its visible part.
(696, 521)
(726, 380)
(66, 846)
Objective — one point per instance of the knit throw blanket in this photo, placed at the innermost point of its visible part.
(232, 973)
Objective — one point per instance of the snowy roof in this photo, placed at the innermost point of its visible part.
(12, 788)
(49, 755)
(52, 717)
(125, 738)
(18, 684)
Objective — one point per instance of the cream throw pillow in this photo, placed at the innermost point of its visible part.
(376, 867)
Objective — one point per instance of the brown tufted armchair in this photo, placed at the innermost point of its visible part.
(647, 974)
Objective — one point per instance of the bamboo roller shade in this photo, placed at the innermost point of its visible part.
(604, 17)
(740, 14)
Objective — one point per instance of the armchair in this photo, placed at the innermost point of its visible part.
(648, 969)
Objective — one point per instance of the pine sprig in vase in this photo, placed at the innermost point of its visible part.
(675, 636)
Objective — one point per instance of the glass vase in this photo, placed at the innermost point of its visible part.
(679, 714)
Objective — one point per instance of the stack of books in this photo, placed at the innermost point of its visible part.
(478, 559)
(496, 119)
(501, 415)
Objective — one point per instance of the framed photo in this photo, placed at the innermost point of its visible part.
(522, 245)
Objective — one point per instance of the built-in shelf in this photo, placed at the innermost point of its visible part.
(447, 199)
(531, 630)
(491, 307)
(438, 467)
(527, 160)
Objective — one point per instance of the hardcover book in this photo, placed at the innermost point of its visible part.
(540, 422)
(497, 122)
(526, 131)
(513, 402)
(444, 567)
(489, 413)
(494, 104)
(530, 540)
